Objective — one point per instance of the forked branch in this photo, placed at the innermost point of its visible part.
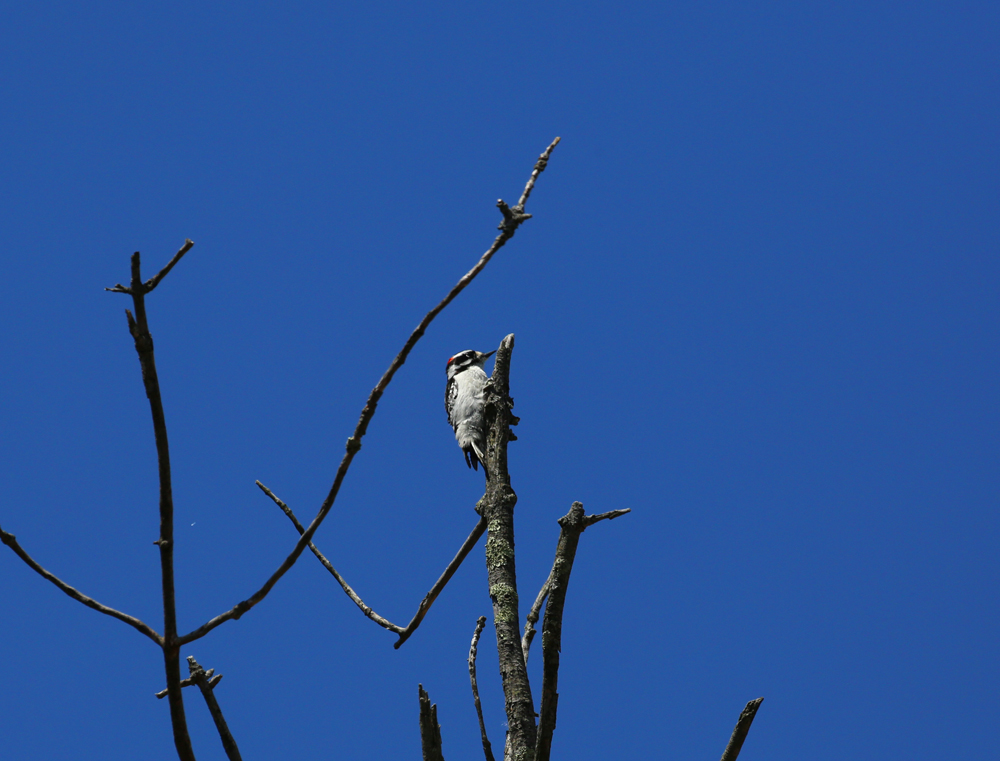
(425, 604)
(155, 280)
(139, 328)
(572, 525)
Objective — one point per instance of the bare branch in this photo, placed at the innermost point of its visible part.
(207, 682)
(540, 165)
(732, 751)
(425, 604)
(497, 507)
(383, 622)
(430, 730)
(430, 597)
(572, 526)
(536, 611)
(139, 328)
(11, 541)
(155, 279)
(212, 681)
(200, 677)
(354, 442)
(487, 748)
(590, 520)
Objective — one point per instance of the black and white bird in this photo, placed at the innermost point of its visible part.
(464, 401)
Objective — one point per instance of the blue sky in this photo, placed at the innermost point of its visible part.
(757, 304)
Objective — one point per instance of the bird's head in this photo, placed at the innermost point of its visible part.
(466, 359)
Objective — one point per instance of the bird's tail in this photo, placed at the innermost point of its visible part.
(477, 456)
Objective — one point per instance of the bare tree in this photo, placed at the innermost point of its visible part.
(526, 739)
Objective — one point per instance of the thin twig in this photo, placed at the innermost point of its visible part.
(732, 751)
(383, 622)
(497, 507)
(11, 541)
(354, 442)
(572, 525)
(431, 596)
(201, 678)
(590, 520)
(487, 748)
(212, 681)
(529, 624)
(155, 280)
(430, 730)
(139, 329)
(540, 165)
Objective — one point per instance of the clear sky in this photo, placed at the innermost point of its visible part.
(757, 304)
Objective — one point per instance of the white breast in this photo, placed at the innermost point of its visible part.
(467, 413)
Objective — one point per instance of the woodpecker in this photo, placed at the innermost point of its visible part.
(463, 401)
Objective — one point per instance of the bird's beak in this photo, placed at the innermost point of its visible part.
(490, 354)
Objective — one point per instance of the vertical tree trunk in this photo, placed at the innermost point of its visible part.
(497, 506)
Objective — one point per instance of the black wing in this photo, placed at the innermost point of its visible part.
(450, 392)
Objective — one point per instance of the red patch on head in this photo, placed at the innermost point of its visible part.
(449, 361)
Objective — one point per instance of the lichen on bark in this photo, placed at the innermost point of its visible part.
(497, 506)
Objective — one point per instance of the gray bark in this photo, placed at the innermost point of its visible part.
(497, 507)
